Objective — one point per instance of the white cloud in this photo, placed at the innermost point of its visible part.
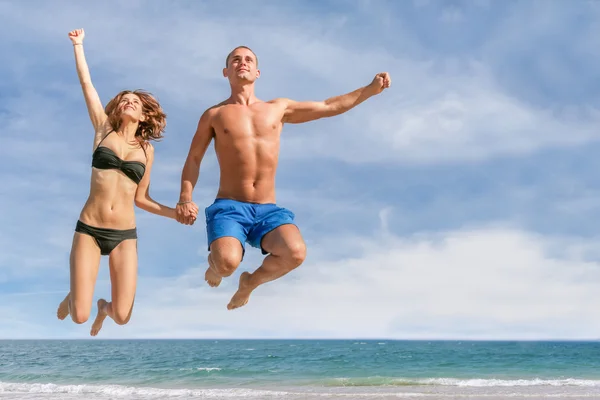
(444, 118)
(488, 283)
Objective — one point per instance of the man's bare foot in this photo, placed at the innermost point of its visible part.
(97, 325)
(241, 297)
(63, 307)
(212, 278)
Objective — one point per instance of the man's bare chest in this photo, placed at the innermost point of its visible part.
(240, 124)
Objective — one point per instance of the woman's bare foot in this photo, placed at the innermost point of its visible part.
(97, 325)
(241, 297)
(63, 307)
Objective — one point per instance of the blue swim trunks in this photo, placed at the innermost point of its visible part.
(247, 222)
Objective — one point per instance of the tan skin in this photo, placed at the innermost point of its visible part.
(110, 205)
(247, 131)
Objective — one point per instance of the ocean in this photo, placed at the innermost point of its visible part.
(298, 369)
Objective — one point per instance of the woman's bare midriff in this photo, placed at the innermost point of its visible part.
(111, 201)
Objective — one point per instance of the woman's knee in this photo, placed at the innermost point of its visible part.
(79, 313)
(121, 315)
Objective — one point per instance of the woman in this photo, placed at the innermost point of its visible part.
(121, 165)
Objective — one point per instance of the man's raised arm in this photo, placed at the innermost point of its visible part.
(303, 111)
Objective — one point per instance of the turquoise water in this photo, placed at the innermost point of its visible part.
(297, 369)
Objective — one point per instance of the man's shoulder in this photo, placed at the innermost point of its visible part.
(216, 107)
(279, 101)
(213, 110)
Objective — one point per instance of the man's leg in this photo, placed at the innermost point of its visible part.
(225, 256)
(287, 251)
(226, 235)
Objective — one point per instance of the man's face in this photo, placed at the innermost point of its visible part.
(242, 66)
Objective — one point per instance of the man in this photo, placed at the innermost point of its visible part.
(246, 132)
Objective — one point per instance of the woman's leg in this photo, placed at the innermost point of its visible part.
(123, 262)
(84, 264)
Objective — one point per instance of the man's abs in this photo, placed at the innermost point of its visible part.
(237, 185)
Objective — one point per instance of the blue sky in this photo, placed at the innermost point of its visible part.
(461, 203)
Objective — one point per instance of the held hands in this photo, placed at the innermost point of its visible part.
(381, 81)
(186, 212)
(77, 36)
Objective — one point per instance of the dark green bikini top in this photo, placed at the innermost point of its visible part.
(105, 158)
